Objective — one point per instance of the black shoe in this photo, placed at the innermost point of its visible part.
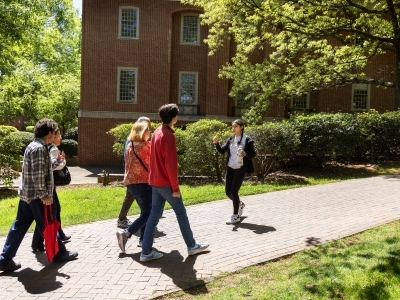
(38, 249)
(68, 256)
(65, 238)
(11, 266)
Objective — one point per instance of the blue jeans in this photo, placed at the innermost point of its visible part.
(142, 193)
(159, 196)
(26, 214)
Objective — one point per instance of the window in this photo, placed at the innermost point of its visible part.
(241, 100)
(188, 88)
(127, 85)
(190, 29)
(128, 22)
(300, 102)
(360, 97)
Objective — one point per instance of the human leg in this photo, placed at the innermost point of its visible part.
(123, 221)
(57, 210)
(157, 208)
(142, 193)
(236, 183)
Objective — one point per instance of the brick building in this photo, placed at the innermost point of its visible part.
(140, 54)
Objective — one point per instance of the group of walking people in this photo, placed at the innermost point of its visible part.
(151, 177)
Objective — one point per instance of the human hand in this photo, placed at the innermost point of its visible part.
(215, 139)
(176, 194)
(60, 156)
(47, 201)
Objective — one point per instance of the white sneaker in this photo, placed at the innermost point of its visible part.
(153, 255)
(122, 239)
(233, 219)
(198, 247)
(241, 207)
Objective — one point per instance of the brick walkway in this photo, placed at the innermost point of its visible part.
(274, 224)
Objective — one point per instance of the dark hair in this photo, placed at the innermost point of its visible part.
(240, 122)
(44, 126)
(167, 112)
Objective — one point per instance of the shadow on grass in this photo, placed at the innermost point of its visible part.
(326, 269)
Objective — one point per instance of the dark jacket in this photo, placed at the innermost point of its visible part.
(248, 147)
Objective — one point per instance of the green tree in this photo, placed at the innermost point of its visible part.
(308, 45)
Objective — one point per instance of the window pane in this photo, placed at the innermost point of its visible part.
(300, 101)
(241, 100)
(188, 89)
(190, 29)
(129, 22)
(127, 86)
(360, 99)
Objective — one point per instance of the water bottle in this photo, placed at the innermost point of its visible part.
(239, 157)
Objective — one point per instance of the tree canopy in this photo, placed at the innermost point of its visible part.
(308, 45)
(40, 61)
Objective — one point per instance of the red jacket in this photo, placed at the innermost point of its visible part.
(164, 159)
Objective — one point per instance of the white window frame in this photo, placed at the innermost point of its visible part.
(119, 85)
(121, 8)
(196, 87)
(307, 102)
(198, 29)
(363, 87)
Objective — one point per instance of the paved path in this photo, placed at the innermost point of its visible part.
(274, 224)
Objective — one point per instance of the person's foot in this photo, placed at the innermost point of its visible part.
(67, 256)
(198, 248)
(241, 207)
(122, 239)
(233, 219)
(123, 223)
(65, 238)
(10, 266)
(153, 255)
(38, 249)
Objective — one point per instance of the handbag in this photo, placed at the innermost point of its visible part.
(62, 177)
(50, 230)
(141, 162)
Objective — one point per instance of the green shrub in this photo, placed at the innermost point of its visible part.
(198, 154)
(70, 147)
(9, 158)
(23, 138)
(6, 130)
(30, 128)
(275, 143)
(71, 134)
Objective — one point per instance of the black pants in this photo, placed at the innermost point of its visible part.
(37, 239)
(126, 205)
(233, 181)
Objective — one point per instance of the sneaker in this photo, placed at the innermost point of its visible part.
(123, 223)
(68, 256)
(151, 256)
(122, 239)
(10, 266)
(198, 248)
(38, 249)
(65, 238)
(241, 207)
(233, 219)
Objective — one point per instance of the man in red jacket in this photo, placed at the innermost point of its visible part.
(163, 178)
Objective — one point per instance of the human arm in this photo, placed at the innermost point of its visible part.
(249, 151)
(221, 149)
(41, 169)
(57, 158)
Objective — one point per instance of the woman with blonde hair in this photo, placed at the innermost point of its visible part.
(137, 157)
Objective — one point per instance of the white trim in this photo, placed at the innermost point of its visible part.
(307, 102)
(196, 87)
(363, 87)
(198, 29)
(119, 83)
(120, 21)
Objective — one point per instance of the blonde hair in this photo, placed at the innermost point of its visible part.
(137, 131)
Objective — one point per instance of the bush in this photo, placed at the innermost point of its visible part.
(71, 134)
(9, 158)
(23, 138)
(30, 128)
(198, 155)
(275, 144)
(70, 147)
(6, 130)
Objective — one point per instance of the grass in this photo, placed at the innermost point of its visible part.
(363, 266)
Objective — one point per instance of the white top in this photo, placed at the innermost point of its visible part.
(233, 148)
(53, 156)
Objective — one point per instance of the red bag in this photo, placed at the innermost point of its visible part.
(50, 230)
